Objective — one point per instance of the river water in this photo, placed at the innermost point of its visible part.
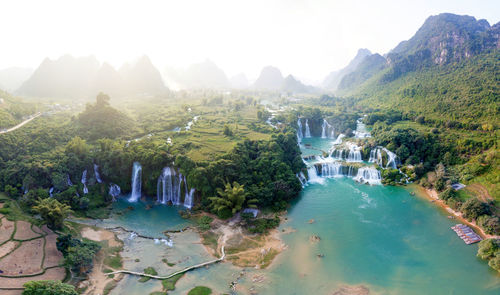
(378, 237)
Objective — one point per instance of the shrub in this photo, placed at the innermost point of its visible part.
(48, 288)
(473, 208)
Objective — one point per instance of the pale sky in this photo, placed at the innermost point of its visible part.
(305, 38)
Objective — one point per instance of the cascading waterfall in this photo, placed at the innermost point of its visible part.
(339, 139)
(337, 154)
(169, 188)
(114, 191)
(331, 169)
(51, 190)
(313, 175)
(327, 130)
(300, 135)
(84, 182)
(302, 178)
(392, 158)
(136, 182)
(188, 200)
(361, 131)
(354, 154)
(96, 173)
(68, 181)
(308, 131)
(376, 157)
(368, 175)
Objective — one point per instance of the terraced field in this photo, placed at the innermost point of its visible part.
(27, 253)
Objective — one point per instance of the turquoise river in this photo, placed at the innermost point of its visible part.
(380, 237)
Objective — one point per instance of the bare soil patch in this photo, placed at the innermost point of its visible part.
(52, 256)
(6, 230)
(101, 235)
(24, 232)
(7, 248)
(27, 259)
(352, 290)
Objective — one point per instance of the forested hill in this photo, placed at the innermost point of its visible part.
(13, 110)
(448, 71)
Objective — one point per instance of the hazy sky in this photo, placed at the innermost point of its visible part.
(305, 38)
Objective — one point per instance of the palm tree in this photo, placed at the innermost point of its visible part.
(231, 199)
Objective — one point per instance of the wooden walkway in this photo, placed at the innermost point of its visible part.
(175, 273)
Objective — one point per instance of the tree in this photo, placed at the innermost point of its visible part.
(473, 208)
(78, 255)
(52, 211)
(227, 131)
(488, 248)
(102, 100)
(231, 200)
(77, 146)
(48, 288)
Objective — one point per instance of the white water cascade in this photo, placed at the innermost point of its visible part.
(354, 154)
(361, 131)
(169, 188)
(136, 182)
(308, 131)
(376, 157)
(368, 175)
(392, 158)
(114, 190)
(300, 135)
(313, 175)
(68, 181)
(96, 173)
(339, 139)
(51, 190)
(188, 200)
(327, 130)
(84, 182)
(302, 178)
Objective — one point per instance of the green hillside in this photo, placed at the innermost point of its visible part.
(466, 91)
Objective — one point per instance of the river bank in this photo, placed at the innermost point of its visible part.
(433, 196)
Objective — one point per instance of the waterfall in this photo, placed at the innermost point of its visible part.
(354, 154)
(327, 130)
(391, 159)
(339, 139)
(308, 132)
(361, 131)
(331, 169)
(84, 176)
(114, 190)
(299, 131)
(136, 182)
(169, 188)
(302, 178)
(96, 173)
(188, 200)
(368, 175)
(313, 175)
(337, 154)
(376, 157)
(68, 181)
(51, 190)
(84, 182)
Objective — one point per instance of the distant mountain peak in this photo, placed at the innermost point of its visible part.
(270, 78)
(333, 79)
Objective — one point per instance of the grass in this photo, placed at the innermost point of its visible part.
(268, 258)
(158, 293)
(243, 245)
(109, 286)
(169, 284)
(210, 240)
(150, 271)
(113, 261)
(200, 290)
(164, 260)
